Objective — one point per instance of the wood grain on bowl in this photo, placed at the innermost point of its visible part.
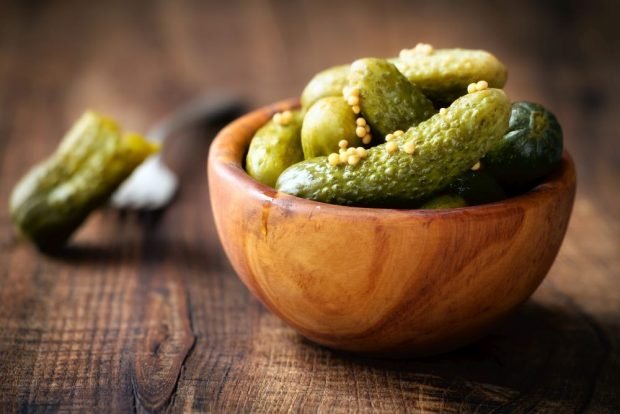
(382, 281)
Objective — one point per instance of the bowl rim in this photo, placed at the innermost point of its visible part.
(229, 148)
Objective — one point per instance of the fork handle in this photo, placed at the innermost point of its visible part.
(206, 109)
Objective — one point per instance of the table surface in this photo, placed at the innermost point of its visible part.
(143, 311)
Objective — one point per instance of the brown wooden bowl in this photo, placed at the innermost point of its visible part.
(382, 281)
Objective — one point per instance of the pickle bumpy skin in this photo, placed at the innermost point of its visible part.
(413, 166)
(93, 159)
(325, 83)
(275, 147)
(444, 74)
(388, 101)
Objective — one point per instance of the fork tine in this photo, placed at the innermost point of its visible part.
(152, 185)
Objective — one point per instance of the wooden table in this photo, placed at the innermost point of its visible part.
(143, 312)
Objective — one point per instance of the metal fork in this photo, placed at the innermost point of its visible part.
(152, 185)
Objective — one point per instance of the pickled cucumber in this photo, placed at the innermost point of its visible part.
(388, 101)
(444, 74)
(327, 122)
(531, 148)
(275, 147)
(477, 187)
(446, 145)
(444, 201)
(92, 160)
(329, 82)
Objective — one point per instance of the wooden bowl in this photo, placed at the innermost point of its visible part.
(383, 282)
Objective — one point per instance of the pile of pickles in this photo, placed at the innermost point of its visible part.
(431, 128)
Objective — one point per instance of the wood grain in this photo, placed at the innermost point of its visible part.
(109, 324)
(382, 282)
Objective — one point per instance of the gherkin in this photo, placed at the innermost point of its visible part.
(531, 148)
(328, 82)
(444, 74)
(444, 201)
(446, 145)
(388, 101)
(56, 196)
(326, 123)
(274, 148)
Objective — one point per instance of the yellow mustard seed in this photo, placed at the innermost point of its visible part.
(391, 147)
(353, 100)
(277, 118)
(334, 159)
(398, 133)
(287, 117)
(350, 151)
(471, 88)
(389, 137)
(360, 121)
(476, 166)
(356, 109)
(361, 152)
(482, 85)
(409, 147)
(353, 159)
(343, 143)
(343, 157)
(366, 140)
(360, 131)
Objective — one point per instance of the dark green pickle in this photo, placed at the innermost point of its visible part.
(531, 148)
(477, 187)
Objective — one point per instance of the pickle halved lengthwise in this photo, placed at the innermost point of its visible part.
(57, 195)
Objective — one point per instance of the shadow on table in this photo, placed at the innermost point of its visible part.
(148, 250)
(538, 352)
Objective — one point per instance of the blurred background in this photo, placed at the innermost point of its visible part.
(111, 322)
(138, 60)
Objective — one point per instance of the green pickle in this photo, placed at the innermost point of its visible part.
(444, 201)
(477, 187)
(326, 123)
(531, 148)
(56, 196)
(329, 82)
(274, 148)
(446, 145)
(444, 74)
(388, 101)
